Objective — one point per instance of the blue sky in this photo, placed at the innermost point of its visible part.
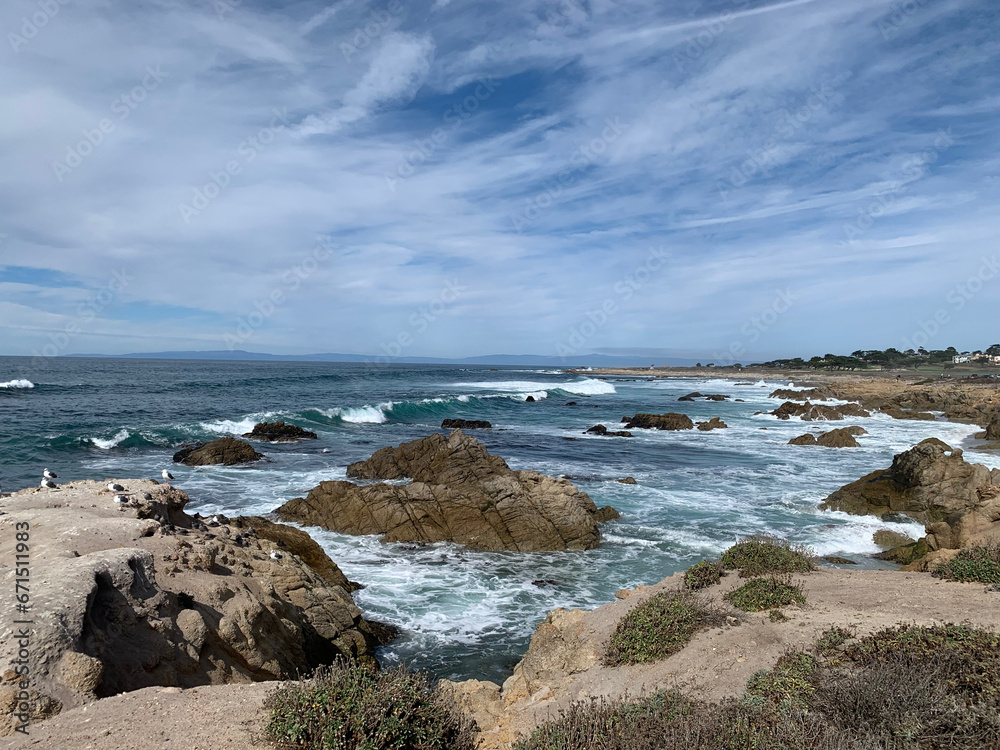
(455, 178)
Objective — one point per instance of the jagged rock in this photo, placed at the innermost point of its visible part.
(466, 424)
(129, 604)
(834, 560)
(993, 429)
(599, 429)
(459, 493)
(897, 413)
(691, 396)
(685, 398)
(810, 412)
(716, 397)
(628, 480)
(841, 438)
(530, 399)
(279, 432)
(227, 451)
(807, 439)
(887, 539)
(669, 421)
(959, 502)
(571, 403)
(713, 424)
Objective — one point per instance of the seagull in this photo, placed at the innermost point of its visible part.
(47, 484)
(50, 474)
(275, 556)
(214, 521)
(121, 499)
(167, 476)
(115, 487)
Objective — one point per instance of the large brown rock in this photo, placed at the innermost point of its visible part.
(809, 412)
(713, 424)
(143, 595)
(227, 451)
(460, 493)
(669, 421)
(842, 438)
(959, 502)
(278, 432)
(993, 428)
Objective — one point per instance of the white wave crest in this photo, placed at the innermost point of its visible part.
(584, 387)
(230, 426)
(110, 443)
(366, 414)
(19, 383)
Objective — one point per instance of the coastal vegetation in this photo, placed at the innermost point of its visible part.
(908, 687)
(703, 574)
(660, 626)
(766, 593)
(979, 564)
(888, 359)
(352, 705)
(765, 555)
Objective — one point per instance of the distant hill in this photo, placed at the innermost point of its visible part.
(528, 360)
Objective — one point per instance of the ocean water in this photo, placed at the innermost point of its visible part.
(462, 614)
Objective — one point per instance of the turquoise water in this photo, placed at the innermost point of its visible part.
(462, 614)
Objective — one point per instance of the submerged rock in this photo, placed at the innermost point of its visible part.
(713, 424)
(669, 421)
(466, 424)
(227, 451)
(599, 429)
(460, 493)
(278, 432)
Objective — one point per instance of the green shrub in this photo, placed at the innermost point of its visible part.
(973, 564)
(764, 555)
(766, 593)
(830, 642)
(702, 575)
(776, 615)
(789, 683)
(659, 627)
(352, 706)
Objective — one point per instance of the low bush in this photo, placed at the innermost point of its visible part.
(659, 627)
(766, 555)
(789, 683)
(766, 593)
(351, 706)
(973, 564)
(830, 642)
(702, 575)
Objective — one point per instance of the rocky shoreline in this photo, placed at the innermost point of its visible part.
(143, 601)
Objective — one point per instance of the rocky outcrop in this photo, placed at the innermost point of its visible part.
(993, 428)
(227, 451)
(669, 421)
(466, 424)
(691, 396)
(278, 432)
(809, 412)
(627, 480)
(959, 502)
(141, 594)
(839, 438)
(716, 397)
(713, 424)
(897, 413)
(460, 493)
(599, 429)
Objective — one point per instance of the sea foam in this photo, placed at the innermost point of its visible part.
(20, 383)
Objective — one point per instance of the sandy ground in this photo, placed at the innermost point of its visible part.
(218, 717)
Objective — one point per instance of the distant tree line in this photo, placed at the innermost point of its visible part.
(864, 359)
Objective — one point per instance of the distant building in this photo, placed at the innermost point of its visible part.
(960, 358)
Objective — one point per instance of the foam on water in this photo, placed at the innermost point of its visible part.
(20, 383)
(109, 443)
(584, 387)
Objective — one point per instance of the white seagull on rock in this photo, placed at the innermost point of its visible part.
(50, 474)
(121, 499)
(167, 476)
(275, 556)
(115, 487)
(47, 484)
